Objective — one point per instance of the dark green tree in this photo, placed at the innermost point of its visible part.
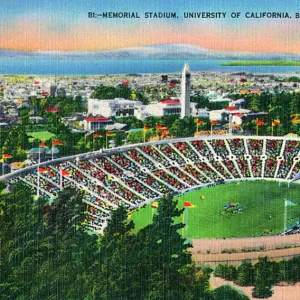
(264, 278)
(245, 274)
(226, 292)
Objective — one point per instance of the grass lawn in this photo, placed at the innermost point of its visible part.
(261, 198)
(262, 63)
(42, 135)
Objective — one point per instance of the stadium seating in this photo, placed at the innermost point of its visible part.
(137, 175)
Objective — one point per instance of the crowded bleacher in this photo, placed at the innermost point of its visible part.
(138, 175)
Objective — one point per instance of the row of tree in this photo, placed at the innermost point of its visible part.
(261, 275)
(282, 106)
(119, 91)
(47, 253)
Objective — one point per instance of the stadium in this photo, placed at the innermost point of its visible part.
(190, 169)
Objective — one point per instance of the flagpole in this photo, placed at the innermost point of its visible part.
(52, 151)
(38, 183)
(3, 160)
(61, 178)
(186, 222)
(182, 231)
(285, 215)
(272, 129)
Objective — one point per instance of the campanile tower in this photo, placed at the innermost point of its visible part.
(185, 91)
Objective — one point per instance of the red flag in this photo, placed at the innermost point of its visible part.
(42, 144)
(161, 127)
(56, 143)
(275, 123)
(199, 122)
(109, 133)
(51, 109)
(214, 123)
(258, 123)
(6, 155)
(65, 173)
(187, 204)
(97, 135)
(42, 170)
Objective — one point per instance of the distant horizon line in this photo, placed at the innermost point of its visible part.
(141, 46)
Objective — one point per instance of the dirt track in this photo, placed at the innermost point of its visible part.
(209, 251)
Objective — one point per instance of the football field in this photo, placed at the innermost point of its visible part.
(249, 208)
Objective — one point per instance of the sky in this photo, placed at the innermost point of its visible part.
(60, 25)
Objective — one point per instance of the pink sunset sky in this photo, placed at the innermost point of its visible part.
(37, 30)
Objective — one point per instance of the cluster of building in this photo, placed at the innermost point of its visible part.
(102, 110)
(216, 86)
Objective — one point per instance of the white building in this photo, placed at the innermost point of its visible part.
(118, 107)
(95, 123)
(223, 114)
(166, 107)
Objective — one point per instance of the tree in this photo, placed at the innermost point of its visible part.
(201, 100)
(245, 274)
(226, 272)
(227, 292)
(178, 128)
(116, 263)
(164, 254)
(264, 277)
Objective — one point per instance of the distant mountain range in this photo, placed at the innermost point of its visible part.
(158, 51)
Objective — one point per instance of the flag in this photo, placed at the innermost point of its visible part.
(161, 127)
(199, 122)
(42, 144)
(276, 123)
(42, 170)
(290, 203)
(295, 121)
(187, 204)
(258, 123)
(214, 123)
(97, 135)
(56, 143)
(6, 155)
(108, 133)
(51, 109)
(154, 205)
(65, 173)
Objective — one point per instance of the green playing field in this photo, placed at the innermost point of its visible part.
(41, 135)
(262, 202)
